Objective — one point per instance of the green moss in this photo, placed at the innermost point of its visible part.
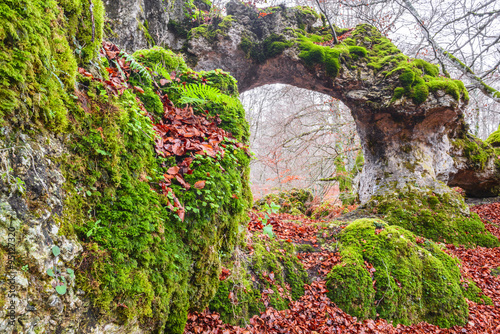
(307, 11)
(407, 78)
(426, 67)
(398, 93)
(144, 27)
(473, 292)
(272, 267)
(359, 51)
(219, 27)
(495, 271)
(420, 93)
(313, 54)
(295, 199)
(37, 67)
(151, 101)
(475, 150)
(409, 282)
(436, 217)
(135, 245)
(494, 138)
(160, 60)
(271, 47)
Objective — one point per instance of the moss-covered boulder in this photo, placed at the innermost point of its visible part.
(271, 276)
(389, 272)
(440, 217)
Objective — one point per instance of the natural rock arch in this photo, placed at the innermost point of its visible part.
(409, 119)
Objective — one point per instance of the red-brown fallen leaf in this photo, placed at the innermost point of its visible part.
(173, 170)
(85, 73)
(200, 184)
(163, 82)
(139, 89)
(179, 178)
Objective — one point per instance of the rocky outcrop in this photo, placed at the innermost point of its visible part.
(408, 117)
(31, 203)
(139, 24)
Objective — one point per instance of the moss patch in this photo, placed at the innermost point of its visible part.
(271, 47)
(313, 54)
(494, 138)
(219, 27)
(138, 252)
(476, 151)
(293, 200)
(272, 267)
(387, 271)
(437, 217)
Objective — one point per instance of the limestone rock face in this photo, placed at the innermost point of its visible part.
(31, 199)
(135, 21)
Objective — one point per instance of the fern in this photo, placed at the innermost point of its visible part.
(199, 94)
(134, 65)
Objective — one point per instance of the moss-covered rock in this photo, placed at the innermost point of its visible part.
(439, 217)
(494, 138)
(387, 271)
(134, 244)
(37, 64)
(271, 47)
(294, 200)
(272, 276)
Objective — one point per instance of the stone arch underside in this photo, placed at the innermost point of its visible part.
(405, 139)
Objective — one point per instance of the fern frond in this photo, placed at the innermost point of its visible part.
(136, 66)
(206, 94)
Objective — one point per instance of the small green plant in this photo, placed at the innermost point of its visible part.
(93, 229)
(25, 268)
(199, 95)
(134, 65)
(60, 284)
(268, 228)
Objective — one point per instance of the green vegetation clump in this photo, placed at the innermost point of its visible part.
(271, 47)
(272, 267)
(161, 61)
(494, 138)
(476, 151)
(295, 200)
(357, 51)
(138, 252)
(211, 31)
(437, 217)
(38, 67)
(313, 54)
(417, 77)
(388, 272)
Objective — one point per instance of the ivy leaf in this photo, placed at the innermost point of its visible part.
(56, 251)
(268, 229)
(50, 272)
(61, 289)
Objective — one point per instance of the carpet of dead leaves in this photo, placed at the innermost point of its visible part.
(314, 313)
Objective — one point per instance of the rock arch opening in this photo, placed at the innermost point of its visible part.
(302, 139)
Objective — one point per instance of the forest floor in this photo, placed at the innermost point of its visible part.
(314, 313)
